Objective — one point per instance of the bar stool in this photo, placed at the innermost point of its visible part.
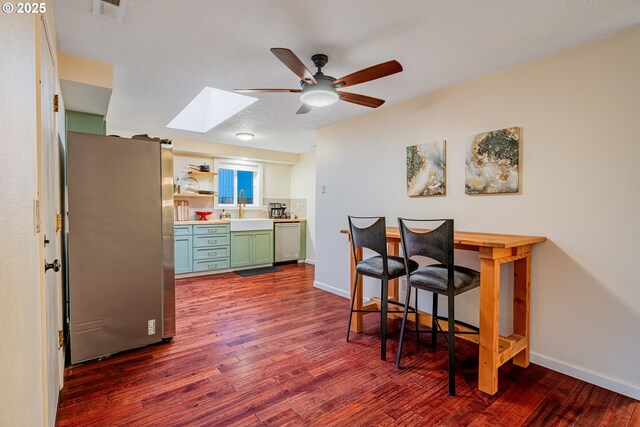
(382, 266)
(445, 279)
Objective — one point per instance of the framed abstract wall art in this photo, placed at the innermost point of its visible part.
(426, 169)
(493, 162)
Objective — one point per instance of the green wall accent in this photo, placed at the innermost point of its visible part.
(77, 121)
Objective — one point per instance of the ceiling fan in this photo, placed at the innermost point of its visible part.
(320, 90)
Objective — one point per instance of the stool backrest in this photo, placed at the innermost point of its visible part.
(436, 243)
(372, 237)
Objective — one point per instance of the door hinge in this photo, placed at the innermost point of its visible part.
(60, 339)
(55, 103)
(58, 222)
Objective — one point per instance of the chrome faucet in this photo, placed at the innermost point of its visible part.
(241, 200)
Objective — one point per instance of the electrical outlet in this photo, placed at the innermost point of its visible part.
(151, 327)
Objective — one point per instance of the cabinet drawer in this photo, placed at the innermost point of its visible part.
(215, 264)
(202, 241)
(211, 229)
(181, 230)
(209, 253)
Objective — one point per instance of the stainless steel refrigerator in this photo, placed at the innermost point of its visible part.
(121, 291)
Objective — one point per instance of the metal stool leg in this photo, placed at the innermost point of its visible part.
(404, 323)
(434, 321)
(383, 317)
(452, 344)
(417, 321)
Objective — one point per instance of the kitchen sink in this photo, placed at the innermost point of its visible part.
(250, 224)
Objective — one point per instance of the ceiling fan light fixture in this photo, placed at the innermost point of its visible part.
(319, 97)
(245, 136)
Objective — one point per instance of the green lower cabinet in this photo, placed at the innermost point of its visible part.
(303, 240)
(182, 254)
(263, 247)
(211, 264)
(251, 248)
(241, 253)
(201, 248)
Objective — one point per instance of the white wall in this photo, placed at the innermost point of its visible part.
(579, 111)
(303, 186)
(21, 375)
(277, 179)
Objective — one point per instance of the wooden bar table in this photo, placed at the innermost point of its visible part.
(494, 250)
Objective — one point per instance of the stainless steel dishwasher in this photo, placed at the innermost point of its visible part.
(287, 241)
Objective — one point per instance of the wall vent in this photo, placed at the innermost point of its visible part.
(112, 10)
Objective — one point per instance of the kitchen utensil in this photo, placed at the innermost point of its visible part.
(203, 215)
(200, 168)
(189, 183)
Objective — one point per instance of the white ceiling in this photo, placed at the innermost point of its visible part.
(166, 52)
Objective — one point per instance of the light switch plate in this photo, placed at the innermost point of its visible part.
(36, 216)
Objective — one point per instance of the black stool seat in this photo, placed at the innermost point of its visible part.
(434, 278)
(374, 266)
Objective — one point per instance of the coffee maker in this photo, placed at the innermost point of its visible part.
(277, 210)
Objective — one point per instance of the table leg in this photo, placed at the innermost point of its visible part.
(489, 321)
(356, 318)
(521, 293)
(392, 250)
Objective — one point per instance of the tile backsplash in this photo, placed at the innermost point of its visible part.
(294, 206)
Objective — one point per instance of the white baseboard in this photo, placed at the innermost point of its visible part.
(336, 291)
(613, 384)
(310, 261)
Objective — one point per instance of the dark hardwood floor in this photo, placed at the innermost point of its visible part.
(271, 350)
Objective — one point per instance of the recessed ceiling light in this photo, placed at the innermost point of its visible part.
(245, 136)
(210, 108)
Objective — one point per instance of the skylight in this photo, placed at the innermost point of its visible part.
(210, 108)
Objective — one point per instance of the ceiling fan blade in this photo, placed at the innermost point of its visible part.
(304, 109)
(267, 90)
(290, 59)
(372, 73)
(364, 100)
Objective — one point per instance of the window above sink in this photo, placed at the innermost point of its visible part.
(239, 181)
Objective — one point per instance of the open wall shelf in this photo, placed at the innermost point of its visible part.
(202, 173)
